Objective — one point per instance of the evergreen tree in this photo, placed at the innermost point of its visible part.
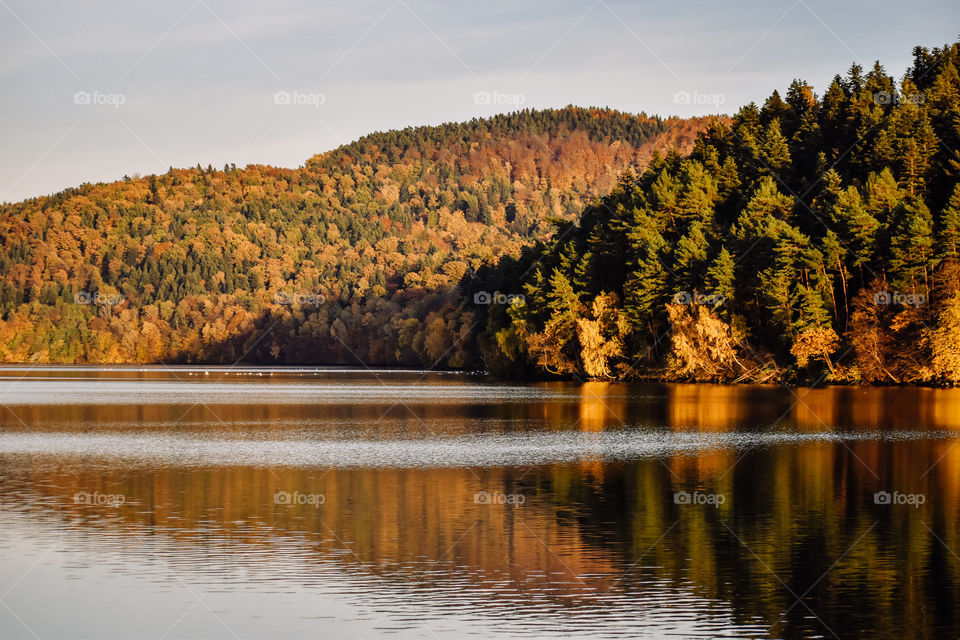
(721, 277)
(911, 248)
(856, 228)
(948, 228)
(774, 150)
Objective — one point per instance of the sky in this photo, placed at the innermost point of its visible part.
(92, 91)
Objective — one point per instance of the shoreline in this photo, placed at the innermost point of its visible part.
(259, 369)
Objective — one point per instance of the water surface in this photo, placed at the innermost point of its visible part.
(245, 502)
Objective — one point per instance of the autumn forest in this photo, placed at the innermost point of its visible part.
(812, 238)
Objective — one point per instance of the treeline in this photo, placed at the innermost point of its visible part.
(354, 257)
(814, 237)
(809, 238)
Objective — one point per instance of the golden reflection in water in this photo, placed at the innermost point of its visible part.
(593, 406)
(566, 536)
(792, 513)
(813, 410)
(945, 408)
(706, 464)
(707, 407)
(375, 507)
(599, 407)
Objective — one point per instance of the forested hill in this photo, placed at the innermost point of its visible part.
(818, 237)
(353, 258)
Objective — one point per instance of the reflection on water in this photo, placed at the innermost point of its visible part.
(338, 504)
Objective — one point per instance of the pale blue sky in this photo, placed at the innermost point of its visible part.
(188, 81)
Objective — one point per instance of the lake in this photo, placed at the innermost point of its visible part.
(184, 502)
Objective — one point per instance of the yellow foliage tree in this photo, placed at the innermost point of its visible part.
(818, 342)
(945, 341)
(599, 336)
(704, 346)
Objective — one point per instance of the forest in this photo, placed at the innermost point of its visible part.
(813, 238)
(354, 258)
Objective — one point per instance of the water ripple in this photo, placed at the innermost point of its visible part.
(478, 450)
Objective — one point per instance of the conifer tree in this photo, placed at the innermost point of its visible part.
(856, 228)
(948, 228)
(721, 277)
(774, 150)
(911, 248)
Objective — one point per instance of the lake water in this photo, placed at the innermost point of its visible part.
(263, 503)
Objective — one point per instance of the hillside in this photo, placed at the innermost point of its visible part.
(816, 238)
(352, 258)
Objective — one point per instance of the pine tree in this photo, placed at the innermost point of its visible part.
(856, 228)
(883, 196)
(775, 109)
(765, 204)
(647, 284)
(698, 194)
(948, 228)
(774, 151)
(721, 277)
(911, 248)
(690, 257)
